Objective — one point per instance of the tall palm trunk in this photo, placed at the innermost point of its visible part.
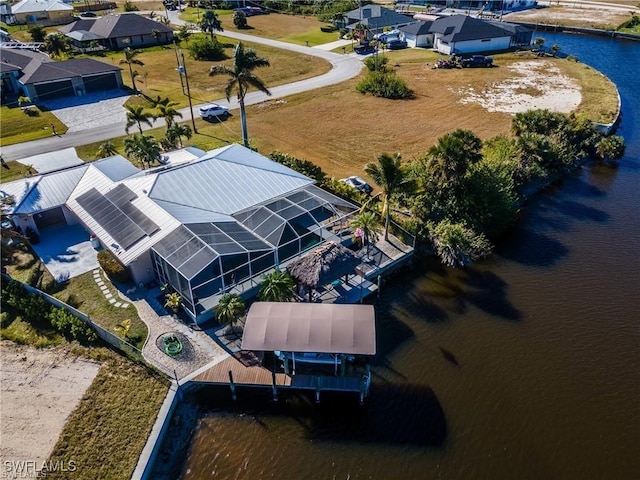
(243, 122)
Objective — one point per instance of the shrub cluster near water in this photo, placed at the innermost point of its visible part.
(463, 192)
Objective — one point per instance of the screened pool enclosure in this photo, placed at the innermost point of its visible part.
(202, 261)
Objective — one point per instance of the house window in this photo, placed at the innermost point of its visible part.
(126, 40)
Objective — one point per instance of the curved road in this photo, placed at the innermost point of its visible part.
(344, 67)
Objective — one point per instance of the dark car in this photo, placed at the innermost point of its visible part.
(396, 44)
(364, 49)
(88, 15)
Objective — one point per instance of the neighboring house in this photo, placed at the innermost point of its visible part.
(213, 225)
(495, 6)
(43, 12)
(118, 31)
(462, 34)
(417, 35)
(376, 19)
(36, 76)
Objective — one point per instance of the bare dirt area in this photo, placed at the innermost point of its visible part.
(534, 85)
(577, 15)
(39, 390)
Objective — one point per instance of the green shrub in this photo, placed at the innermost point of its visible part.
(305, 167)
(384, 84)
(71, 326)
(112, 267)
(376, 63)
(130, 7)
(206, 49)
(343, 190)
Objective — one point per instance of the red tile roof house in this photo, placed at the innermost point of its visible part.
(118, 31)
(38, 77)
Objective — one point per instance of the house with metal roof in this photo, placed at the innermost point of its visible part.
(204, 227)
(44, 12)
(118, 31)
(463, 34)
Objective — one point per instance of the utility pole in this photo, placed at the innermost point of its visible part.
(186, 80)
(179, 69)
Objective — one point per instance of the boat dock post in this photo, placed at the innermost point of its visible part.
(232, 385)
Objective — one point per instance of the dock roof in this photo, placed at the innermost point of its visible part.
(310, 327)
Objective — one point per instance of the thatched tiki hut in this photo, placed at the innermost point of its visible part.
(323, 265)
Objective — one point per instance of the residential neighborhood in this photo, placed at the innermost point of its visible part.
(293, 239)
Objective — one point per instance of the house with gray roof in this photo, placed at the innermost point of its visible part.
(417, 34)
(117, 31)
(36, 76)
(463, 34)
(376, 19)
(205, 227)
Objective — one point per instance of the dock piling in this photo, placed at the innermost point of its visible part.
(233, 386)
(274, 388)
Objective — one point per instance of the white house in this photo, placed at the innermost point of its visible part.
(462, 34)
(209, 226)
(417, 34)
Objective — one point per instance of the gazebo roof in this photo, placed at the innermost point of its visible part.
(324, 265)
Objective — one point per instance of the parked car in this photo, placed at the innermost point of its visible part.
(251, 11)
(364, 49)
(476, 61)
(396, 44)
(214, 111)
(88, 15)
(358, 183)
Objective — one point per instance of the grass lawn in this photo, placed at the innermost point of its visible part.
(38, 333)
(288, 28)
(108, 430)
(159, 75)
(14, 171)
(16, 126)
(84, 294)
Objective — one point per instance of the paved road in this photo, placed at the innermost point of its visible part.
(344, 67)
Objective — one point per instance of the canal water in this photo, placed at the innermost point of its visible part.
(526, 366)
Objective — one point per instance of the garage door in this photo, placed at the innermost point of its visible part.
(106, 81)
(48, 218)
(55, 90)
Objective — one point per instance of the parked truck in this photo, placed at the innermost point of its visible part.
(476, 61)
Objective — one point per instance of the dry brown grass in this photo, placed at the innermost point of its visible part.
(573, 16)
(341, 130)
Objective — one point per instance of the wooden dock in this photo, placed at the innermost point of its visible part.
(247, 371)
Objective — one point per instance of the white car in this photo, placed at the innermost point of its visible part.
(214, 111)
(358, 183)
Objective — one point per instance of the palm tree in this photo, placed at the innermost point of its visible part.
(449, 159)
(389, 174)
(230, 308)
(173, 301)
(106, 149)
(277, 286)
(130, 60)
(210, 23)
(56, 43)
(155, 33)
(244, 62)
(176, 131)
(143, 148)
(167, 110)
(123, 328)
(367, 222)
(184, 33)
(137, 115)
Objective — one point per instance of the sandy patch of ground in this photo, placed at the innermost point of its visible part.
(39, 389)
(583, 15)
(534, 85)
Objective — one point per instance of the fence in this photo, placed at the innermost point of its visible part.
(112, 339)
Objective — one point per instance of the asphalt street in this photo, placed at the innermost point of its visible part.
(343, 68)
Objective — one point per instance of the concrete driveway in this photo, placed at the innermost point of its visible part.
(66, 251)
(92, 110)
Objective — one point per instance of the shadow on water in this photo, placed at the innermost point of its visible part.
(488, 292)
(402, 414)
(530, 247)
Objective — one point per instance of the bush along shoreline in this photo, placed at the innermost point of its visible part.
(463, 192)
